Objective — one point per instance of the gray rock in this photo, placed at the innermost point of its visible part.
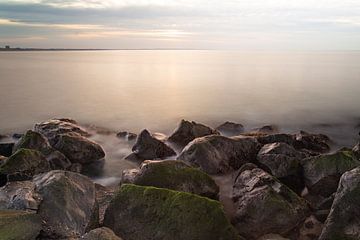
(188, 131)
(356, 150)
(277, 138)
(126, 135)
(175, 175)
(230, 129)
(343, 221)
(262, 201)
(103, 198)
(103, 233)
(218, 154)
(148, 147)
(318, 143)
(69, 206)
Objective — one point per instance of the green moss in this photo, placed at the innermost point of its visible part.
(166, 214)
(339, 162)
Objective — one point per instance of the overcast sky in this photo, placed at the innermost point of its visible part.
(204, 24)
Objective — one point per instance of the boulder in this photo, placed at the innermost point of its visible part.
(69, 206)
(142, 213)
(310, 229)
(188, 131)
(261, 200)
(19, 225)
(267, 129)
(24, 164)
(283, 162)
(343, 221)
(148, 147)
(103, 198)
(277, 138)
(103, 233)
(322, 173)
(126, 135)
(78, 149)
(356, 151)
(218, 154)
(318, 143)
(19, 196)
(52, 128)
(230, 129)
(175, 175)
(6, 149)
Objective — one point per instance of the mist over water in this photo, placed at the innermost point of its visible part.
(132, 90)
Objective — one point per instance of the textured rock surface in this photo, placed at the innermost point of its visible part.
(178, 215)
(188, 131)
(101, 234)
(230, 129)
(175, 175)
(218, 154)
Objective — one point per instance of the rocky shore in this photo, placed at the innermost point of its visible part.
(279, 185)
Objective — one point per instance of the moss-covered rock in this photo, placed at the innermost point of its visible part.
(19, 225)
(24, 164)
(322, 173)
(343, 221)
(175, 175)
(103, 233)
(142, 213)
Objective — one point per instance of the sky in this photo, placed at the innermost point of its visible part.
(182, 24)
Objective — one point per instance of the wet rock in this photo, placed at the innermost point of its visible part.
(230, 129)
(322, 173)
(268, 129)
(283, 162)
(6, 149)
(52, 128)
(148, 147)
(103, 198)
(313, 142)
(218, 154)
(69, 206)
(343, 221)
(19, 196)
(277, 138)
(24, 164)
(58, 161)
(126, 135)
(175, 175)
(142, 213)
(76, 167)
(188, 131)
(78, 149)
(310, 229)
(103, 233)
(356, 151)
(128, 176)
(261, 200)
(19, 225)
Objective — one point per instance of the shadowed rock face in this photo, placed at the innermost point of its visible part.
(101, 234)
(218, 154)
(322, 173)
(343, 221)
(178, 215)
(6, 149)
(148, 147)
(230, 128)
(261, 200)
(188, 131)
(175, 175)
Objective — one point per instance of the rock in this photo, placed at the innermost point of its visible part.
(103, 198)
(103, 233)
(310, 229)
(277, 138)
(2, 160)
(283, 162)
(142, 213)
(69, 206)
(148, 147)
(78, 149)
(356, 151)
(24, 164)
(343, 221)
(322, 173)
(188, 131)
(128, 175)
(230, 129)
(261, 200)
(175, 175)
(272, 237)
(52, 128)
(218, 154)
(17, 135)
(58, 161)
(76, 167)
(268, 129)
(313, 142)
(19, 225)
(6, 149)
(19, 196)
(126, 135)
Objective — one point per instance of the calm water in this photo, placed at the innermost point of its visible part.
(132, 90)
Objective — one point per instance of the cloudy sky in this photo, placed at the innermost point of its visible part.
(200, 24)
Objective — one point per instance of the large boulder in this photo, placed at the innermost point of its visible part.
(283, 162)
(68, 207)
(24, 164)
(147, 147)
(142, 213)
(218, 154)
(343, 221)
(103, 233)
(78, 149)
(6, 149)
(264, 205)
(230, 129)
(322, 173)
(175, 175)
(188, 131)
(19, 225)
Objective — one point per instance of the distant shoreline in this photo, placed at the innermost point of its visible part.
(85, 49)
